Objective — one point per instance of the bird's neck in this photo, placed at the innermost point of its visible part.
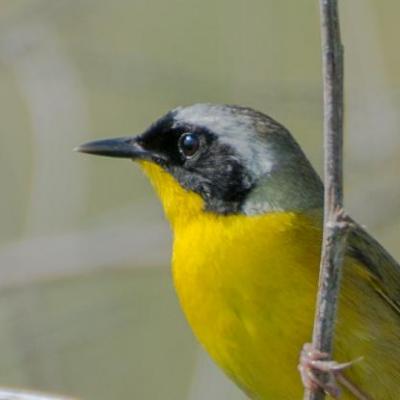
(281, 192)
(294, 186)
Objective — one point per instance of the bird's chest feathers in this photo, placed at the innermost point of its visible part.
(244, 282)
(234, 265)
(237, 273)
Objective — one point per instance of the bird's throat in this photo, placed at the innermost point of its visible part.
(180, 205)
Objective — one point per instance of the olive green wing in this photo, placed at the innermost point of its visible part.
(384, 269)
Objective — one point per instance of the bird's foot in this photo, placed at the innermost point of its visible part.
(313, 361)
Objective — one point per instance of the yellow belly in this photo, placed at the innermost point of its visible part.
(248, 285)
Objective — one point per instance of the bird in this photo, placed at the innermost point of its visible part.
(246, 210)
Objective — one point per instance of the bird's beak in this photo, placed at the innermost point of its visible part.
(125, 147)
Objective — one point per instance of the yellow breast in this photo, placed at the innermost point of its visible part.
(247, 285)
(240, 284)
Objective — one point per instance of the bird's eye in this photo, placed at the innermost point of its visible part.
(189, 143)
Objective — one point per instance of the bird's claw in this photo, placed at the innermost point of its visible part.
(313, 361)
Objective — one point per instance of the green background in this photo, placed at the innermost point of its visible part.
(87, 306)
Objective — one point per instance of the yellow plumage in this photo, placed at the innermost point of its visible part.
(247, 285)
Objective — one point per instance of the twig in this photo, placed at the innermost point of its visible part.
(335, 222)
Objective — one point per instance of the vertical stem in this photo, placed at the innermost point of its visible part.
(335, 225)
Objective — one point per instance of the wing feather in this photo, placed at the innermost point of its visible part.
(384, 269)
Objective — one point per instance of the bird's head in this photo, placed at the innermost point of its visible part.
(220, 159)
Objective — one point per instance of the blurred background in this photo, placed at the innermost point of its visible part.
(87, 306)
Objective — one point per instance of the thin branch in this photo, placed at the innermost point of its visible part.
(335, 221)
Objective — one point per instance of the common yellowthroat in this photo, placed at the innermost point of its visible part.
(245, 207)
